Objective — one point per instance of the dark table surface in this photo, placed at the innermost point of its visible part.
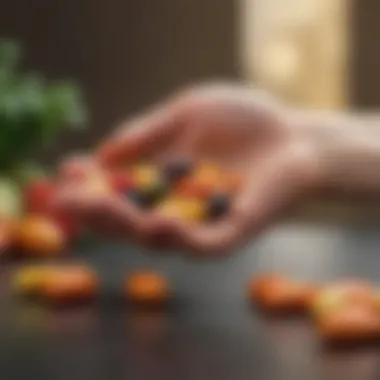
(209, 333)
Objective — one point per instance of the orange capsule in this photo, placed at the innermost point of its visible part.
(186, 209)
(146, 288)
(278, 294)
(351, 323)
(191, 187)
(68, 284)
(208, 179)
(353, 292)
(38, 235)
(259, 285)
(201, 183)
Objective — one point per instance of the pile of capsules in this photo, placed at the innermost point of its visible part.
(179, 189)
(345, 312)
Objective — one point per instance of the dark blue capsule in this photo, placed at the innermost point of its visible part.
(218, 205)
(148, 196)
(177, 169)
(138, 198)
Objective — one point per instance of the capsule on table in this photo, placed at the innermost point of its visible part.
(30, 280)
(146, 288)
(351, 292)
(70, 284)
(258, 286)
(349, 324)
(278, 294)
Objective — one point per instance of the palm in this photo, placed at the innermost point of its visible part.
(238, 129)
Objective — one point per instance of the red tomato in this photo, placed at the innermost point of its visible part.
(69, 226)
(121, 180)
(38, 198)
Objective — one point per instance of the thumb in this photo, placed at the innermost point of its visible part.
(142, 136)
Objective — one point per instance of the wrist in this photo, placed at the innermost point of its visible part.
(348, 149)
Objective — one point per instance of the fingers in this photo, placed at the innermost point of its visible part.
(143, 135)
(272, 186)
(76, 168)
(107, 213)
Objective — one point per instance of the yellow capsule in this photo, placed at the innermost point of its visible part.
(30, 280)
(325, 302)
(187, 209)
(145, 175)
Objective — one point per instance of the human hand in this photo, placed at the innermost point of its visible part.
(242, 130)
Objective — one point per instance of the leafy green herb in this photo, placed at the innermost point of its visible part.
(10, 55)
(32, 112)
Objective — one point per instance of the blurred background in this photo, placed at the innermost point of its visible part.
(127, 54)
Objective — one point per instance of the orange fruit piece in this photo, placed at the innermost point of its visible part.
(146, 288)
(186, 209)
(38, 235)
(350, 323)
(69, 283)
(276, 293)
(352, 292)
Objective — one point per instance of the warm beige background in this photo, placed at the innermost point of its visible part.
(298, 48)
